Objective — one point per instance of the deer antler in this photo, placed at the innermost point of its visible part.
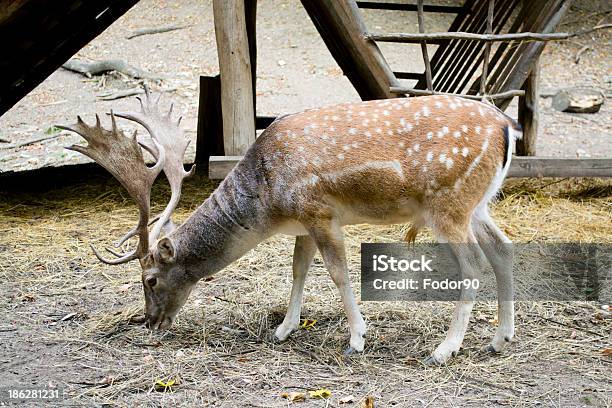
(122, 157)
(172, 139)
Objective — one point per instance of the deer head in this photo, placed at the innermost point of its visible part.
(165, 286)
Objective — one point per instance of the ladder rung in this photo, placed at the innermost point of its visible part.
(408, 7)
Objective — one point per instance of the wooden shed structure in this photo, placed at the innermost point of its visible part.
(490, 51)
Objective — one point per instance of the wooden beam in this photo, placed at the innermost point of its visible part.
(39, 36)
(220, 167)
(448, 48)
(529, 114)
(236, 79)
(377, 5)
(424, 46)
(529, 57)
(556, 167)
(487, 51)
(412, 37)
(341, 27)
(209, 140)
(425, 92)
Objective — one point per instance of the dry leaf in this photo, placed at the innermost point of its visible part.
(494, 321)
(607, 351)
(368, 402)
(347, 400)
(322, 393)
(294, 396)
(309, 323)
(124, 288)
(164, 386)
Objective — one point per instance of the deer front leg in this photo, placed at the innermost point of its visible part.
(330, 241)
(303, 253)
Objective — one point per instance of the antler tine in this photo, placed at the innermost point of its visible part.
(173, 140)
(122, 157)
(133, 232)
(126, 258)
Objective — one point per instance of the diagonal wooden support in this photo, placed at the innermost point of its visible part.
(340, 25)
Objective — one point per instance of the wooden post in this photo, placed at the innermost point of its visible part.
(424, 47)
(210, 122)
(236, 79)
(529, 115)
(340, 25)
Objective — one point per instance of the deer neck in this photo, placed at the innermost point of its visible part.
(228, 224)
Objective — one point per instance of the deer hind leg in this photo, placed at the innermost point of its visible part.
(469, 258)
(303, 253)
(330, 241)
(498, 250)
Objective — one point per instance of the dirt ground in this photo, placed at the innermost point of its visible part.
(67, 316)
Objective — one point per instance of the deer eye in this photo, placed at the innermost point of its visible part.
(151, 281)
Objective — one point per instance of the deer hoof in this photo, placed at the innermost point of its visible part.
(490, 349)
(431, 361)
(350, 351)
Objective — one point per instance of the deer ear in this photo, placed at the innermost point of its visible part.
(166, 250)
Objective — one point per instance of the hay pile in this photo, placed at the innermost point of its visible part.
(68, 316)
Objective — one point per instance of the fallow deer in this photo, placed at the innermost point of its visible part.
(436, 161)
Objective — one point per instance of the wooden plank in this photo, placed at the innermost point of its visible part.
(472, 60)
(499, 53)
(524, 166)
(220, 167)
(529, 114)
(38, 36)
(534, 20)
(235, 70)
(447, 47)
(432, 8)
(529, 58)
(340, 25)
(487, 51)
(459, 48)
(424, 46)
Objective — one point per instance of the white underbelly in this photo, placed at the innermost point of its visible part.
(381, 214)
